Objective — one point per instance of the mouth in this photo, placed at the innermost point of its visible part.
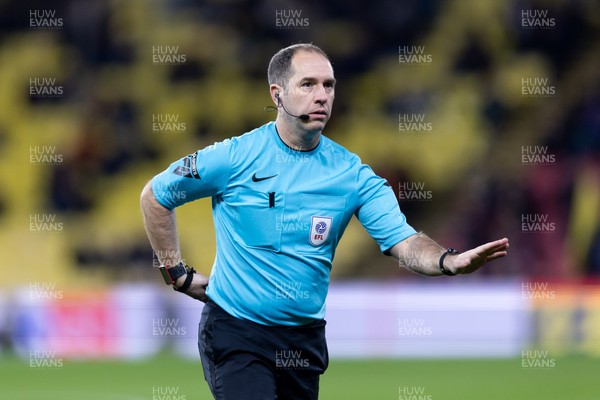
(318, 114)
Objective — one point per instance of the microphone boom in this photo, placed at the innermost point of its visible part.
(302, 117)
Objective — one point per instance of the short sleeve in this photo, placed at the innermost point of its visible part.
(201, 174)
(379, 211)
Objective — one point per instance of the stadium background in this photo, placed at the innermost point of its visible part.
(98, 96)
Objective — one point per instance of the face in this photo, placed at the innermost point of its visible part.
(310, 90)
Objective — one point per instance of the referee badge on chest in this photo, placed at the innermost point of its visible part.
(319, 230)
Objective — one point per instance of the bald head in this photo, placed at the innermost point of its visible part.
(280, 67)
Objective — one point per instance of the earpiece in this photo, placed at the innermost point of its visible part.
(303, 117)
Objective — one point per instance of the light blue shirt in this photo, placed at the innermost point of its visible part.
(279, 215)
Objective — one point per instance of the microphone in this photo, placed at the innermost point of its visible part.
(302, 117)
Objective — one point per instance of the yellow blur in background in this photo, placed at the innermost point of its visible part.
(92, 110)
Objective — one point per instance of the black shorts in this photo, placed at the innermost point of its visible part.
(243, 360)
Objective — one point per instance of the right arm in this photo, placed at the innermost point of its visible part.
(161, 228)
(201, 174)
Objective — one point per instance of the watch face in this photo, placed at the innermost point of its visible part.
(177, 271)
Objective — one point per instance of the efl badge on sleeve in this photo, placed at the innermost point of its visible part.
(319, 230)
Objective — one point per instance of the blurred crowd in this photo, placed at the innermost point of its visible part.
(146, 82)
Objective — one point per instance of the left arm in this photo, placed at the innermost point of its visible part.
(380, 214)
(421, 254)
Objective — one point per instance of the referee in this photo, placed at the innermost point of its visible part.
(282, 196)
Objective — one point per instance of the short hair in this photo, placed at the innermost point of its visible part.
(280, 66)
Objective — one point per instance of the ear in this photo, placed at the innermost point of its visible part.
(275, 91)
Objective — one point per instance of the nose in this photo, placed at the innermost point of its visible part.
(320, 94)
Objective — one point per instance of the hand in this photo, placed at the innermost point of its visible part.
(197, 289)
(472, 260)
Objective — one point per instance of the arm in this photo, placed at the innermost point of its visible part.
(421, 254)
(161, 228)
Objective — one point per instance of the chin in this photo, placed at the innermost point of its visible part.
(317, 123)
(314, 126)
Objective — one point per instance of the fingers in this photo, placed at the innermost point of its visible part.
(474, 259)
(198, 296)
(197, 289)
(496, 255)
(498, 244)
(493, 247)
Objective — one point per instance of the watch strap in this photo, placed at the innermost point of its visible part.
(444, 270)
(171, 274)
(188, 281)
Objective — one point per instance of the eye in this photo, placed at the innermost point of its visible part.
(307, 84)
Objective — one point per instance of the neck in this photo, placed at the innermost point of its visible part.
(296, 138)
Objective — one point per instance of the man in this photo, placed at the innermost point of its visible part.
(282, 196)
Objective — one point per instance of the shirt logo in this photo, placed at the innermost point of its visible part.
(319, 230)
(262, 178)
(188, 169)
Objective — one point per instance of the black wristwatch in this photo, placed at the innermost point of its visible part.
(444, 270)
(171, 274)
